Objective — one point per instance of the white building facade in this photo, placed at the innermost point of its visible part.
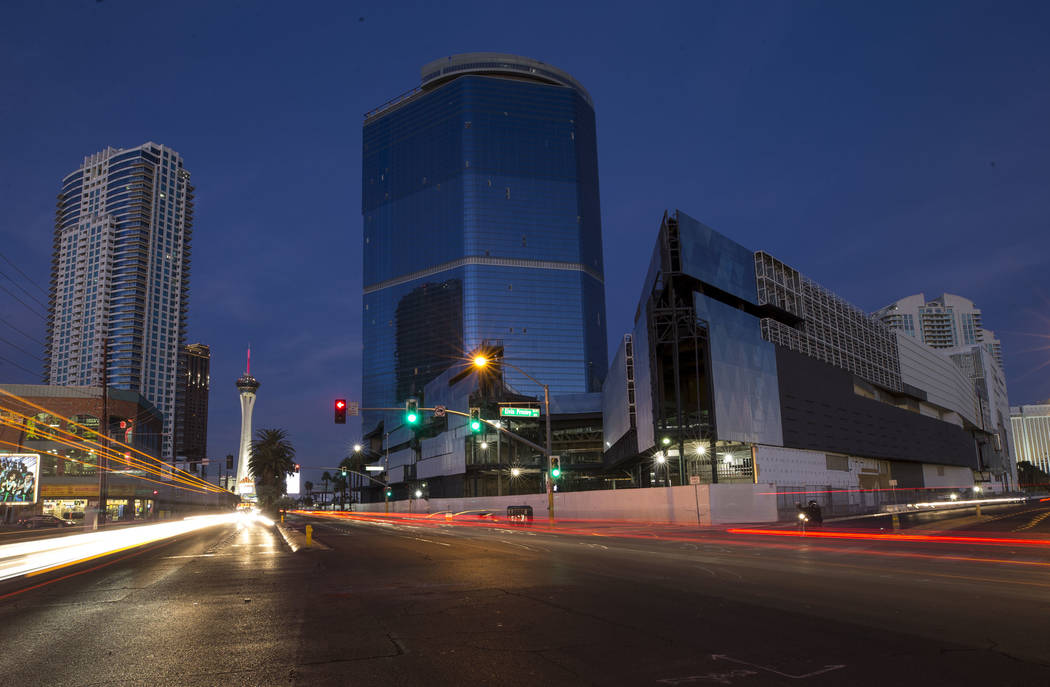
(953, 326)
(948, 321)
(120, 276)
(1031, 430)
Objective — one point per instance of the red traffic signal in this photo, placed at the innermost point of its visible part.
(340, 411)
(155, 492)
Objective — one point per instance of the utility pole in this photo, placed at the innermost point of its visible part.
(103, 460)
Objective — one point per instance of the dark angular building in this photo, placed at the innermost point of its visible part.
(742, 369)
(480, 207)
(191, 423)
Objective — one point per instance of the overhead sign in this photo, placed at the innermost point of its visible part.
(353, 408)
(519, 412)
(291, 483)
(439, 411)
(19, 478)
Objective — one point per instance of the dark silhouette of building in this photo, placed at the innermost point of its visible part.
(191, 422)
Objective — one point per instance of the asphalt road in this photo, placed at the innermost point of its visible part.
(430, 603)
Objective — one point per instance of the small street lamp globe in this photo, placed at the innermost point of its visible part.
(418, 493)
(484, 445)
(515, 472)
(357, 448)
(660, 459)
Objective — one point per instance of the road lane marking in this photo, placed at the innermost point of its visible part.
(1033, 522)
(825, 669)
(429, 541)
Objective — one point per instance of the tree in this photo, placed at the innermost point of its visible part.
(309, 487)
(1030, 476)
(339, 484)
(272, 459)
(355, 462)
(326, 478)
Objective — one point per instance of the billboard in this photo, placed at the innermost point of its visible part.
(19, 478)
(291, 483)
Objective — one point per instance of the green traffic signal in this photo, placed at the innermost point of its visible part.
(556, 473)
(475, 420)
(389, 493)
(411, 411)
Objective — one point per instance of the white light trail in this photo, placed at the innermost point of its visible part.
(959, 502)
(40, 555)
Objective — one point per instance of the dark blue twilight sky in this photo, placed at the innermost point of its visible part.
(881, 148)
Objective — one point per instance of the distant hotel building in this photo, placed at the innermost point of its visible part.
(741, 369)
(120, 275)
(191, 415)
(952, 325)
(481, 222)
(945, 322)
(1031, 425)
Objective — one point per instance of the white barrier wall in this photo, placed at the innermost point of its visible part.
(701, 504)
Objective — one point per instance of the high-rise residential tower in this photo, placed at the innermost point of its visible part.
(191, 404)
(953, 325)
(120, 275)
(481, 222)
(948, 321)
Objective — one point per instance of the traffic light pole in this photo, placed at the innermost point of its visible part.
(386, 486)
(536, 447)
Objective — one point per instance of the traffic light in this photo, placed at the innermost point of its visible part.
(297, 467)
(155, 492)
(340, 411)
(475, 420)
(389, 493)
(344, 472)
(229, 462)
(555, 467)
(412, 411)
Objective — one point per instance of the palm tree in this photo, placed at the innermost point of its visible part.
(272, 459)
(355, 463)
(339, 483)
(326, 478)
(309, 487)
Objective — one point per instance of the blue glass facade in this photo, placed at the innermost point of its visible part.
(481, 221)
(743, 370)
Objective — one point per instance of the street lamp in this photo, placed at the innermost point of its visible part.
(357, 448)
(484, 445)
(515, 472)
(481, 361)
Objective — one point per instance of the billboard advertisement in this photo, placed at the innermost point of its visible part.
(19, 478)
(291, 483)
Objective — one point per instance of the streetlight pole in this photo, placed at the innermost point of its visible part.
(482, 361)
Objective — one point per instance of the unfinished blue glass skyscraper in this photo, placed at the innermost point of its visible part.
(481, 222)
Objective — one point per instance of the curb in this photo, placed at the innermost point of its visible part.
(296, 541)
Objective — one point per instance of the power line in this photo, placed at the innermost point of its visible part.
(28, 307)
(22, 288)
(19, 348)
(11, 326)
(30, 279)
(11, 362)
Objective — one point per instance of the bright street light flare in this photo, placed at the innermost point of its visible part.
(480, 361)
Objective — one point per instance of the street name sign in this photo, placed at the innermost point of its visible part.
(519, 412)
